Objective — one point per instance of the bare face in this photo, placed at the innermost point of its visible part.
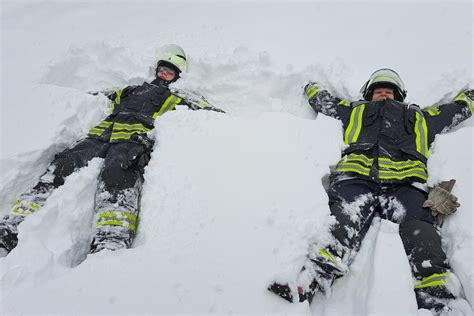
(381, 94)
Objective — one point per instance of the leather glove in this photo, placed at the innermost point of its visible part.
(144, 140)
(140, 154)
(441, 201)
(311, 89)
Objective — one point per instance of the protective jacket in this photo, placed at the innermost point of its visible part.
(134, 110)
(388, 141)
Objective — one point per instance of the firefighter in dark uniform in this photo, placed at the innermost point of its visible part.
(387, 150)
(121, 139)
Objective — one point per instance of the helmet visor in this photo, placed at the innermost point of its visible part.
(177, 60)
(386, 75)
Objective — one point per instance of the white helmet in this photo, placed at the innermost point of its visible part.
(382, 77)
(173, 56)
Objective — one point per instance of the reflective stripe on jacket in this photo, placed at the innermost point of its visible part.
(134, 111)
(388, 141)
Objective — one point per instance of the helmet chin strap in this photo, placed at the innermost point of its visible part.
(164, 82)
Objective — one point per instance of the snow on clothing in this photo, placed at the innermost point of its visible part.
(388, 141)
(134, 111)
(388, 145)
(354, 203)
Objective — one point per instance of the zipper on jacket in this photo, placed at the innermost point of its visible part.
(375, 165)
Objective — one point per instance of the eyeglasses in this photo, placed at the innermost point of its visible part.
(166, 72)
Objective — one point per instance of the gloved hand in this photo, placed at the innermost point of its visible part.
(466, 95)
(140, 153)
(311, 89)
(469, 93)
(203, 104)
(441, 201)
(144, 140)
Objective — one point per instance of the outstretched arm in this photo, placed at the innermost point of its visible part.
(194, 101)
(324, 102)
(113, 93)
(202, 104)
(442, 118)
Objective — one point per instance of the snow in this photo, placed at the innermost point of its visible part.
(230, 202)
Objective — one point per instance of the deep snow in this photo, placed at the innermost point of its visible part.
(231, 201)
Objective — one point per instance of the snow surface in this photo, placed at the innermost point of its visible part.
(231, 202)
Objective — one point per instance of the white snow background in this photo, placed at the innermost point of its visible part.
(231, 201)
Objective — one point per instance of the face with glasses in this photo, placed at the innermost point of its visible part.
(165, 73)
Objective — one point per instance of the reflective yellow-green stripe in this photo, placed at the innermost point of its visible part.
(122, 135)
(133, 129)
(435, 279)
(421, 132)
(398, 165)
(465, 98)
(175, 103)
(123, 131)
(118, 215)
(328, 256)
(100, 128)
(169, 104)
(104, 124)
(96, 131)
(118, 95)
(132, 227)
(352, 167)
(129, 126)
(433, 110)
(360, 164)
(19, 211)
(400, 175)
(311, 92)
(203, 104)
(355, 125)
(344, 103)
(359, 158)
(25, 208)
(123, 219)
(388, 169)
(28, 204)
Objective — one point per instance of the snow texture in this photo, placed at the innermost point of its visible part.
(230, 202)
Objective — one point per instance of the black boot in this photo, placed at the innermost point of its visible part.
(318, 274)
(110, 241)
(434, 298)
(284, 291)
(8, 237)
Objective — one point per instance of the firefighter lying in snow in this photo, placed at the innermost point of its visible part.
(387, 150)
(121, 139)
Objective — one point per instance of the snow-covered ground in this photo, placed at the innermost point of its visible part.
(231, 202)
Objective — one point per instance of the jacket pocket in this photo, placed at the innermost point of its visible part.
(370, 114)
(358, 148)
(410, 121)
(414, 155)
